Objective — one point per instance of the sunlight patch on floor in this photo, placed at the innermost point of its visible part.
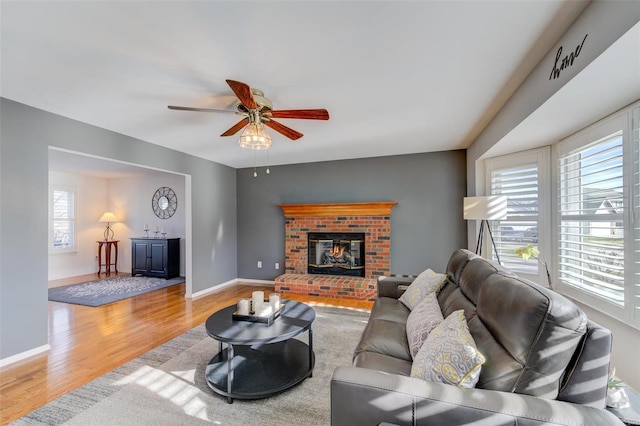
(322, 304)
(176, 387)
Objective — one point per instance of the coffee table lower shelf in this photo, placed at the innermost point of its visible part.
(260, 370)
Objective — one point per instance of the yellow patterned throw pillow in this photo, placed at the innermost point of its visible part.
(424, 284)
(449, 355)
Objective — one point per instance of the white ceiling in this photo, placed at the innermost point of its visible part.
(397, 77)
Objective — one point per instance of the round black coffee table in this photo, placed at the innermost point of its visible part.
(260, 360)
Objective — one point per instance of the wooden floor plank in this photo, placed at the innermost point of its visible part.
(87, 342)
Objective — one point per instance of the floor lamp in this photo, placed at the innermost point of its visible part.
(484, 209)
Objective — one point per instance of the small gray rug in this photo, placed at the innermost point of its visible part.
(108, 290)
(166, 386)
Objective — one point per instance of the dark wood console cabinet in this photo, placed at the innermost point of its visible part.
(155, 257)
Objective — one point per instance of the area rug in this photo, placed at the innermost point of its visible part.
(166, 386)
(108, 290)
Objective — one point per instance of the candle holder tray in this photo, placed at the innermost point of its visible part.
(252, 317)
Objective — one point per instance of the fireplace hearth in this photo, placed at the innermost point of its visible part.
(336, 254)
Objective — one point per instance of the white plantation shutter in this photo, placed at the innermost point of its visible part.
(592, 213)
(634, 293)
(63, 219)
(520, 185)
(518, 177)
(594, 222)
(598, 208)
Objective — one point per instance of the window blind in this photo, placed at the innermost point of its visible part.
(520, 184)
(64, 220)
(635, 137)
(591, 227)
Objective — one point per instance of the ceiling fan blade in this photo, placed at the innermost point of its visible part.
(308, 114)
(236, 127)
(281, 128)
(181, 108)
(243, 92)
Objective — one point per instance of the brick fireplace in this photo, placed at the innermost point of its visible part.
(371, 219)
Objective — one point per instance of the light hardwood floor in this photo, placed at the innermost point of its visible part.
(88, 342)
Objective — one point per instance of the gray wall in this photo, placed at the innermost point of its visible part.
(426, 225)
(25, 135)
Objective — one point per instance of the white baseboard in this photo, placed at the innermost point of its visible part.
(24, 355)
(255, 282)
(218, 287)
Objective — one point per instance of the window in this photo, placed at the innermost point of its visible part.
(634, 290)
(591, 225)
(518, 177)
(598, 194)
(63, 220)
(593, 245)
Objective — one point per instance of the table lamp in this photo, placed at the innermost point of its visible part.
(108, 217)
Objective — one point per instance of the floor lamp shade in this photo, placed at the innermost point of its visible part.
(491, 207)
(484, 209)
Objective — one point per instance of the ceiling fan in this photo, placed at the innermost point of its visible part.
(258, 112)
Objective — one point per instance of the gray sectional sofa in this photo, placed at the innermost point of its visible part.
(546, 363)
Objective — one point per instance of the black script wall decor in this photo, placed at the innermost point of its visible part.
(563, 63)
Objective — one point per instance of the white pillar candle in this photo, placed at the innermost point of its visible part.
(155, 228)
(257, 297)
(243, 307)
(146, 226)
(274, 301)
(163, 230)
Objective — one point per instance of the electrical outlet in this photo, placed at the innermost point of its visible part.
(259, 264)
(277, 265)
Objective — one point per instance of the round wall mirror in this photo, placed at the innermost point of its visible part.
(164, 202)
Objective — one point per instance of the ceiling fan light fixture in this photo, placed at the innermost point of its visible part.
(255, 136)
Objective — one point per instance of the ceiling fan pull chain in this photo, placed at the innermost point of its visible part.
(255, 171)
(268, 171)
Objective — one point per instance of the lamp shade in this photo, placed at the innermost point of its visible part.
(108, 217)
(492, 207)
(255, 136)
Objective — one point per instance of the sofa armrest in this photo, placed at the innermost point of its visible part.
(393, 285)
(368, 397)
(586, 382)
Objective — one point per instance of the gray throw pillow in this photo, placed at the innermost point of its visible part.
(422, 319)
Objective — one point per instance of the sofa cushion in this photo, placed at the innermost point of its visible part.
(386, 338)
(380, 362)
(424, 318)
(424, 284)
(527, 333)
(449, 355)
(388, 308)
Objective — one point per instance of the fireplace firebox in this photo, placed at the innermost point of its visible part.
(336, 254)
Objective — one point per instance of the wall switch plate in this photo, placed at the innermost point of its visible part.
(259, 264)
(277, 265)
